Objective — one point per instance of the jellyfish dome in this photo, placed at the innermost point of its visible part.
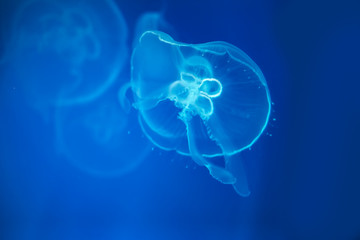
(202, 100)
(65, 50)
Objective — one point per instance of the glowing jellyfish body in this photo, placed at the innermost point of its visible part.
(65, 50)
(203, 100)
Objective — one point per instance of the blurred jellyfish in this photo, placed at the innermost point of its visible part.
(203, 100)
(151, 21)
(100, 138)
(65, 52)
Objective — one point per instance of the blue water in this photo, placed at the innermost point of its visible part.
(75, 162)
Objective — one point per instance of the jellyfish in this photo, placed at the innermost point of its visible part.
(152, 21)
(65, 50)
(207, 101)
(99, 138)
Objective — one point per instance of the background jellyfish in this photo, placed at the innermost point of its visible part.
(99, 137)
(65, 50)
(150, 21)
(203, 100)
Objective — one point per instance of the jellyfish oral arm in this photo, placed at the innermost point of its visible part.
(233, 162)
(196, 156)
(219, 173)
(194, 97)
(235, 165)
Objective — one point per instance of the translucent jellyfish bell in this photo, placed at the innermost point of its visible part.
(99, 137)
(203, 100)
(65, 50)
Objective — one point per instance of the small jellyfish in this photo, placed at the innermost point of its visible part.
(99, 137)
(62, 52)
(203, 100)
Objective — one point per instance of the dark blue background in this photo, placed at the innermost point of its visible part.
(304, 172)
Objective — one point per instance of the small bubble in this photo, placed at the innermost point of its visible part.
(187, 166)
(270, 135)
(129, 132)
(272, 103)
(274, 119)
(248, 77)
(152, 149)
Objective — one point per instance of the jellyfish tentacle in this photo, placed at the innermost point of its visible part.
(234, 164)
(219, 173)
(185, 115)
